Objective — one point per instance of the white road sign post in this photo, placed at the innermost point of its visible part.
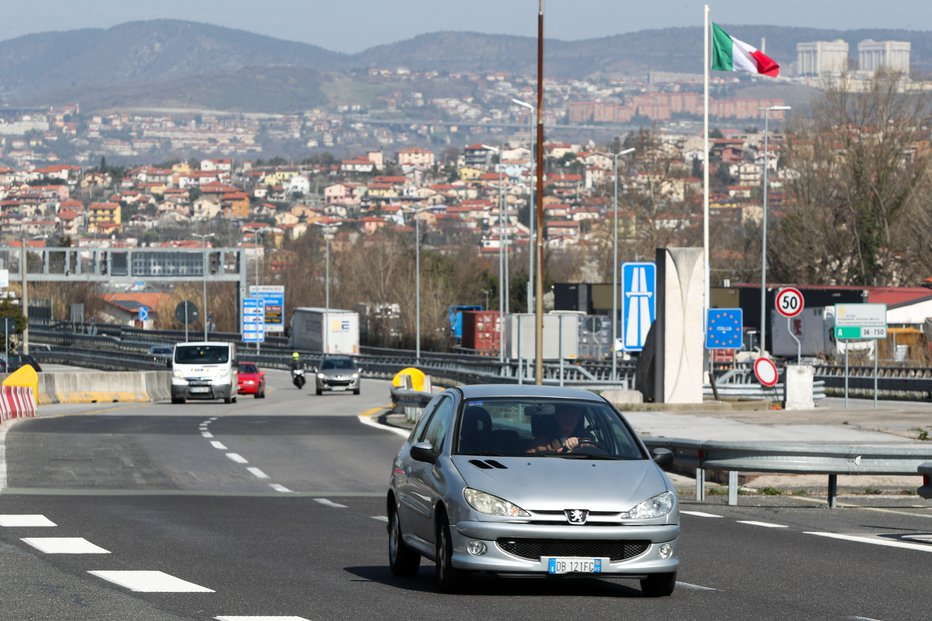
(857, 322)
(790, 303)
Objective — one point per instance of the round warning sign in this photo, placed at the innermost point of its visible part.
(766, 372)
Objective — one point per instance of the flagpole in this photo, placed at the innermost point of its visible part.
(707, 303)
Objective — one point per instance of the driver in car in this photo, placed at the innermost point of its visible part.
(566, 435)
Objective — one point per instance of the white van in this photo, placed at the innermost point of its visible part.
(204, 370)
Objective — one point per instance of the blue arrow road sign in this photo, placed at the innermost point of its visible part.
(638, 303)
(724, 328)
(143, 313)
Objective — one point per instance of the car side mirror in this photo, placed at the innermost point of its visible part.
(423, 451)
(168, 363)
(662, 457)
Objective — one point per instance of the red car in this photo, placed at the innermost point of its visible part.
(251, 380)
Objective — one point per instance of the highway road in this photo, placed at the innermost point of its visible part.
(274, 509)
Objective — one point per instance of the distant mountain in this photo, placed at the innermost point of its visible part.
(172, 63)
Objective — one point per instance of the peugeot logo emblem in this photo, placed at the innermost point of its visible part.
(576, 516)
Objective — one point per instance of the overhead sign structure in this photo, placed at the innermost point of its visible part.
(274, 297)
(638, 303)
(765, 370)
(724, 328)
(860, 321)
(789, 302)
(253, 320)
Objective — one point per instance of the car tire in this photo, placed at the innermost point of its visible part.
(356, 392)
(658, 585)
(178, 400)
(402, 560)
(319, 392)
(449, 578)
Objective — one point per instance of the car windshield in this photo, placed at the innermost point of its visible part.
(535, 427)
(337, 363)
(202, 354)
(247, 367)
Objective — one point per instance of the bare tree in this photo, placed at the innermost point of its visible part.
(858, 211)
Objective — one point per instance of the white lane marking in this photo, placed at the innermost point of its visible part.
(368, 420)
(701, 514)
(330, 503)
(695, 587)
(64, 545)
(280, 488)
(877, 542)
(380, 518)
(207, 434)
(764, 524)
(25, 521)
(227, 618)
(150, 582)
(864, 619)
(237, 458)
(212, 418)
(218, 445)
(257, 473)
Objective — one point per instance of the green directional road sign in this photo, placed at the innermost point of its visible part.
(847, 332)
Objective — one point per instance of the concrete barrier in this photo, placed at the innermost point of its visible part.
(104, 386)
(16, 402)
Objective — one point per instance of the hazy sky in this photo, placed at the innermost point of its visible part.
(354, 25)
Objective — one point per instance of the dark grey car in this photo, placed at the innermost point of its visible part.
(337, 373)
(531, 480)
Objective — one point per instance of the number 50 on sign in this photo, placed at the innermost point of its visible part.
(789, 302)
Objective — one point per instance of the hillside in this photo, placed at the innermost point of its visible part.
(177, 63)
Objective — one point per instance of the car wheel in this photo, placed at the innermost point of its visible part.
(178, 400)
(658, 585)
(356, 392)
(402, 560)
(449, 579)
(319, 392)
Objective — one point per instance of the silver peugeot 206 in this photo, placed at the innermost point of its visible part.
(531, 480)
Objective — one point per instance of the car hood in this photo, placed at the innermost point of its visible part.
(554, 483)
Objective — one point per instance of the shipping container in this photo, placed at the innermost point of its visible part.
(455, 317)
(481, 331)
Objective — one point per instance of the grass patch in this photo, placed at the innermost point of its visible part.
(872, 491)
(769, 491)
(716, 491)
(800, 492)
(922, 434)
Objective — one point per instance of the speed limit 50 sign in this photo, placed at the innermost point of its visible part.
(789, 302)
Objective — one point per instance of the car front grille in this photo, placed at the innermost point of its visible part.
(535, 548)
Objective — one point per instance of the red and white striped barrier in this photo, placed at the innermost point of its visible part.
(16, 402)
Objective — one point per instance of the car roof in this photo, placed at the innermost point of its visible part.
(474, 391)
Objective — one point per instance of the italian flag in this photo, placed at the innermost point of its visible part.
(730, 54)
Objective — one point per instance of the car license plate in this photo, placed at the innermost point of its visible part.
(574, 565)
(337, 388)
(200, 389)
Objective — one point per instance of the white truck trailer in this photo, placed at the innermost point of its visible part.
(326, 331)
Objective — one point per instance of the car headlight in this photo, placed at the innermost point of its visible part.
(178, 374)
(321, 376)
(492, 505)
(355, 375)
(655, 507)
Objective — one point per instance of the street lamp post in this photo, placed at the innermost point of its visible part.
(530, 203)
(763, 251)
(502, 261)
(615, 259)
(204, 263)
(328, 231)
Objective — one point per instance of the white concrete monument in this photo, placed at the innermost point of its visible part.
(679, 327)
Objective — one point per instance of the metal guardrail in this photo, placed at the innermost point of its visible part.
(694, 457)
(732, 381)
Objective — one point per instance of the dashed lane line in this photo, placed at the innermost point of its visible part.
(280, 488)
(257, 473)
(150, 582)
(218, 445)
(329, 503)
(25, 521)
(701, 514)
(64, 545)
(762, 524)
(237, 458)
